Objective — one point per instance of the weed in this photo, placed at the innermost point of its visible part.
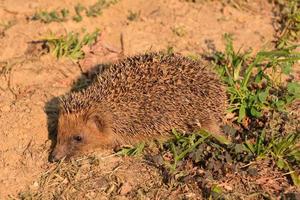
(133, 16)
(179, 31)
(182, 145)
(255, 86)
(70, 45)
(251, 89)
(132, 151)
(259, 148)
(284, 150)
(97, 8)
(78, 9)
(53, 16)
(216, 192)
(169, 50)
(63, 15)
(289, 11)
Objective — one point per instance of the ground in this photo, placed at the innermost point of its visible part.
(28, 80)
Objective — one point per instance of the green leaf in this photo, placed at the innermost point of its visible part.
(289, 98)
(296, 179)
(286, 68)
(258, 77)
(294, 88)
(262, 95)
(280, 104)
(132, 151)
(242, 112)
(192, 147)
(279, 53)
(259, 146)
(216, 189)
(255, 113)
(281, 164)
(250, 146)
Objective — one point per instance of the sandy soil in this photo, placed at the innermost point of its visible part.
(29, 81)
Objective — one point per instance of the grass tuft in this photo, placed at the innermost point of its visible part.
(64, 14)
(70, 45)
(254, 83)
(136, 150)
(52, 16)
(133, 16)
(179, 31)
(284, 150)
(289, 12)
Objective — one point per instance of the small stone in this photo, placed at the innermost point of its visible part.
(208, 148)
(126, 188)
(158, 160)
(252, 171)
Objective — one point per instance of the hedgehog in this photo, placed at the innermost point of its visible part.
(140, 98)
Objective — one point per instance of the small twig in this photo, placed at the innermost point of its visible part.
(9, 85)
(113, 170)
(285, 29)
(11, 12)
(288, 173)
(27, 147)
(122, 44)
(247, 165)
(80, 68)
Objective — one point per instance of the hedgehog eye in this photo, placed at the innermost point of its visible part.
(77, 138)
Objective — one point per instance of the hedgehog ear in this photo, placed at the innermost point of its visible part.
(96, 121)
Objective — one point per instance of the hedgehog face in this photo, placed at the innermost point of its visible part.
(79, 134)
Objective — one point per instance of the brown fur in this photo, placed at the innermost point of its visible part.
(139, 98)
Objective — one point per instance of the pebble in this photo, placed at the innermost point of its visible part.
(126, 188)
(158, 160)
(252, 171)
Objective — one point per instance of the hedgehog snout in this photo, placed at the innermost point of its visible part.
(57, 154)
(53, 158)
